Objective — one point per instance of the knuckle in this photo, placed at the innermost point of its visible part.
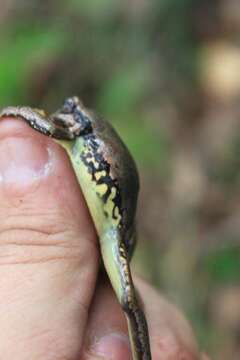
(26, 238)
(31, 234)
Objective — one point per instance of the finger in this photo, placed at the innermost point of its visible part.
(106, 334)
(205, 357)
(171, 336)
(49, 255)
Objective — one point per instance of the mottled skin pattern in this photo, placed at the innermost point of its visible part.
(109, 180)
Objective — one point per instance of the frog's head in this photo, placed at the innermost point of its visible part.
(72, 116)
(70, 105)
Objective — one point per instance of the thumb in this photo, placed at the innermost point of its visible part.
(48, 256)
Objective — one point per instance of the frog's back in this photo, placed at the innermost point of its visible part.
(120, 173)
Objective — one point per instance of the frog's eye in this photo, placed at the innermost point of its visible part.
(83, 120)
(70, 104)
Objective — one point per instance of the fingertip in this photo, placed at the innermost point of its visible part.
(23, 158)
(114, 346)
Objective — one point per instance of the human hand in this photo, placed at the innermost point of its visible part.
(51, 304)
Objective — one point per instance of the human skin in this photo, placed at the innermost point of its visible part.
(53, 303)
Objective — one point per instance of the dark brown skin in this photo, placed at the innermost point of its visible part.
(127, 176)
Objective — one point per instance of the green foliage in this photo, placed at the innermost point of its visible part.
(95, 9)
(223, 266)
(22, 47)
(150, 149)
(124, 91)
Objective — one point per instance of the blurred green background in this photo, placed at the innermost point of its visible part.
(166, 74)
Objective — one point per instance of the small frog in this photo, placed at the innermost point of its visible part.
(109, 181)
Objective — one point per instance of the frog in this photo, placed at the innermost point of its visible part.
(109, 180)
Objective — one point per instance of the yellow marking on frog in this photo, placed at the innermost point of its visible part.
(40, 112)
(101, 189)
(117, 214)
(93, 160)
(100, 174)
